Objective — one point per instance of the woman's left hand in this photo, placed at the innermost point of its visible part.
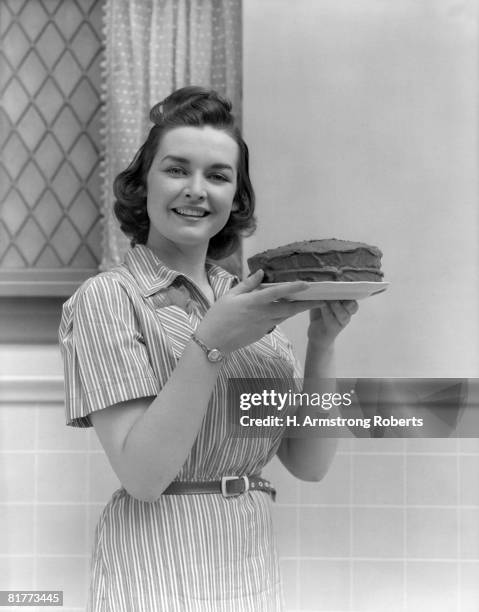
(329, 319)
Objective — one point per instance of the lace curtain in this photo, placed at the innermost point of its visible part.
(151, 48)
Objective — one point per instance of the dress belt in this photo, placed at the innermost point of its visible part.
(228, 486)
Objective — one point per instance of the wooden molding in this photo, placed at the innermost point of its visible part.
(42, 283)
(31, 389)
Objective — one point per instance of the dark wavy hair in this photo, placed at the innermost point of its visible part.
(196, 107)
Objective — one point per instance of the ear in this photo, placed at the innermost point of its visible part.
(235, 206)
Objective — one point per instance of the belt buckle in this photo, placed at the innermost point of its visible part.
(226, 479)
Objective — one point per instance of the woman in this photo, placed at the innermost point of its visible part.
(149, 348)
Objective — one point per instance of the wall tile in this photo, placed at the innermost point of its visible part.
(66, 574)
(53, 434)
(431, 533)
(61, 530)
(468, 534)
(378, 479)
(345, 445)
(469, 445)
(16, 573)
(17, 428)
(377, 445)
(431, 587)
(378, 532)
(93, 441)
(324, 585)
(325, 532)
(431, 480)
(286, 530)
(432, 445)
(333, 489)
(469, 480)
(378, 586)
(62, 477)
(16, 530)
(469, 587)
(291, 583)
(17, 477)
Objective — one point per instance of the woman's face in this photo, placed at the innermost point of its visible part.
(190, 187)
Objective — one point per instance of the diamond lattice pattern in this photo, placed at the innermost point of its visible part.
(50, 133)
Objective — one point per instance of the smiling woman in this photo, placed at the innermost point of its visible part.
(149, 348)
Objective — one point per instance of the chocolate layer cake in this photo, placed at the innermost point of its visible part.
(319, 260)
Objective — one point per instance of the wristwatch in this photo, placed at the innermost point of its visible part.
(213, 354)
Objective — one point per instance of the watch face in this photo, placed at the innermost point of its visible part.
(215, 355)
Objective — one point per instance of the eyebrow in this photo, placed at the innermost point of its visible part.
(183, 160)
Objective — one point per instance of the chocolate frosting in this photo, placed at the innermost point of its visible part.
(319, 260)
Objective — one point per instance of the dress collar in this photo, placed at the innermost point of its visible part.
(152, 275)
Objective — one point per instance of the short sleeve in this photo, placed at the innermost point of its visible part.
(104, 354)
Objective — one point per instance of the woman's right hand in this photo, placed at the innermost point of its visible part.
(246, 313)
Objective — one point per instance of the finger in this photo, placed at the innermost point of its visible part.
(288, 309)
(284, 310)
(351, 306)
(280, 291)
(248, 284)
(340, 312)
(327, 318)
(316, 312)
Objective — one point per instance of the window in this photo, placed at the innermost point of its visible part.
(50, 233)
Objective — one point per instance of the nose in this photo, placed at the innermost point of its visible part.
(195, 189)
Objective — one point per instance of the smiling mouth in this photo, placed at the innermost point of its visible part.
(196, 213)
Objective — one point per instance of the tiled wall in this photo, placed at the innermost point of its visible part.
(393, 526)
(54, 482)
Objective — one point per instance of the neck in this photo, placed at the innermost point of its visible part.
(190, 262)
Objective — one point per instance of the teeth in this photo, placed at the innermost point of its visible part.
(188, 212)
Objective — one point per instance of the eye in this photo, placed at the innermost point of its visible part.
(219, 178)
(175, 171)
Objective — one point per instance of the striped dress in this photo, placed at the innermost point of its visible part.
(121, 335)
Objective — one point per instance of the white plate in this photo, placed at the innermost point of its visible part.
(332, 290)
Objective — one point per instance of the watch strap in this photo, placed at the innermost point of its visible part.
(200, 343)
(213, 354)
